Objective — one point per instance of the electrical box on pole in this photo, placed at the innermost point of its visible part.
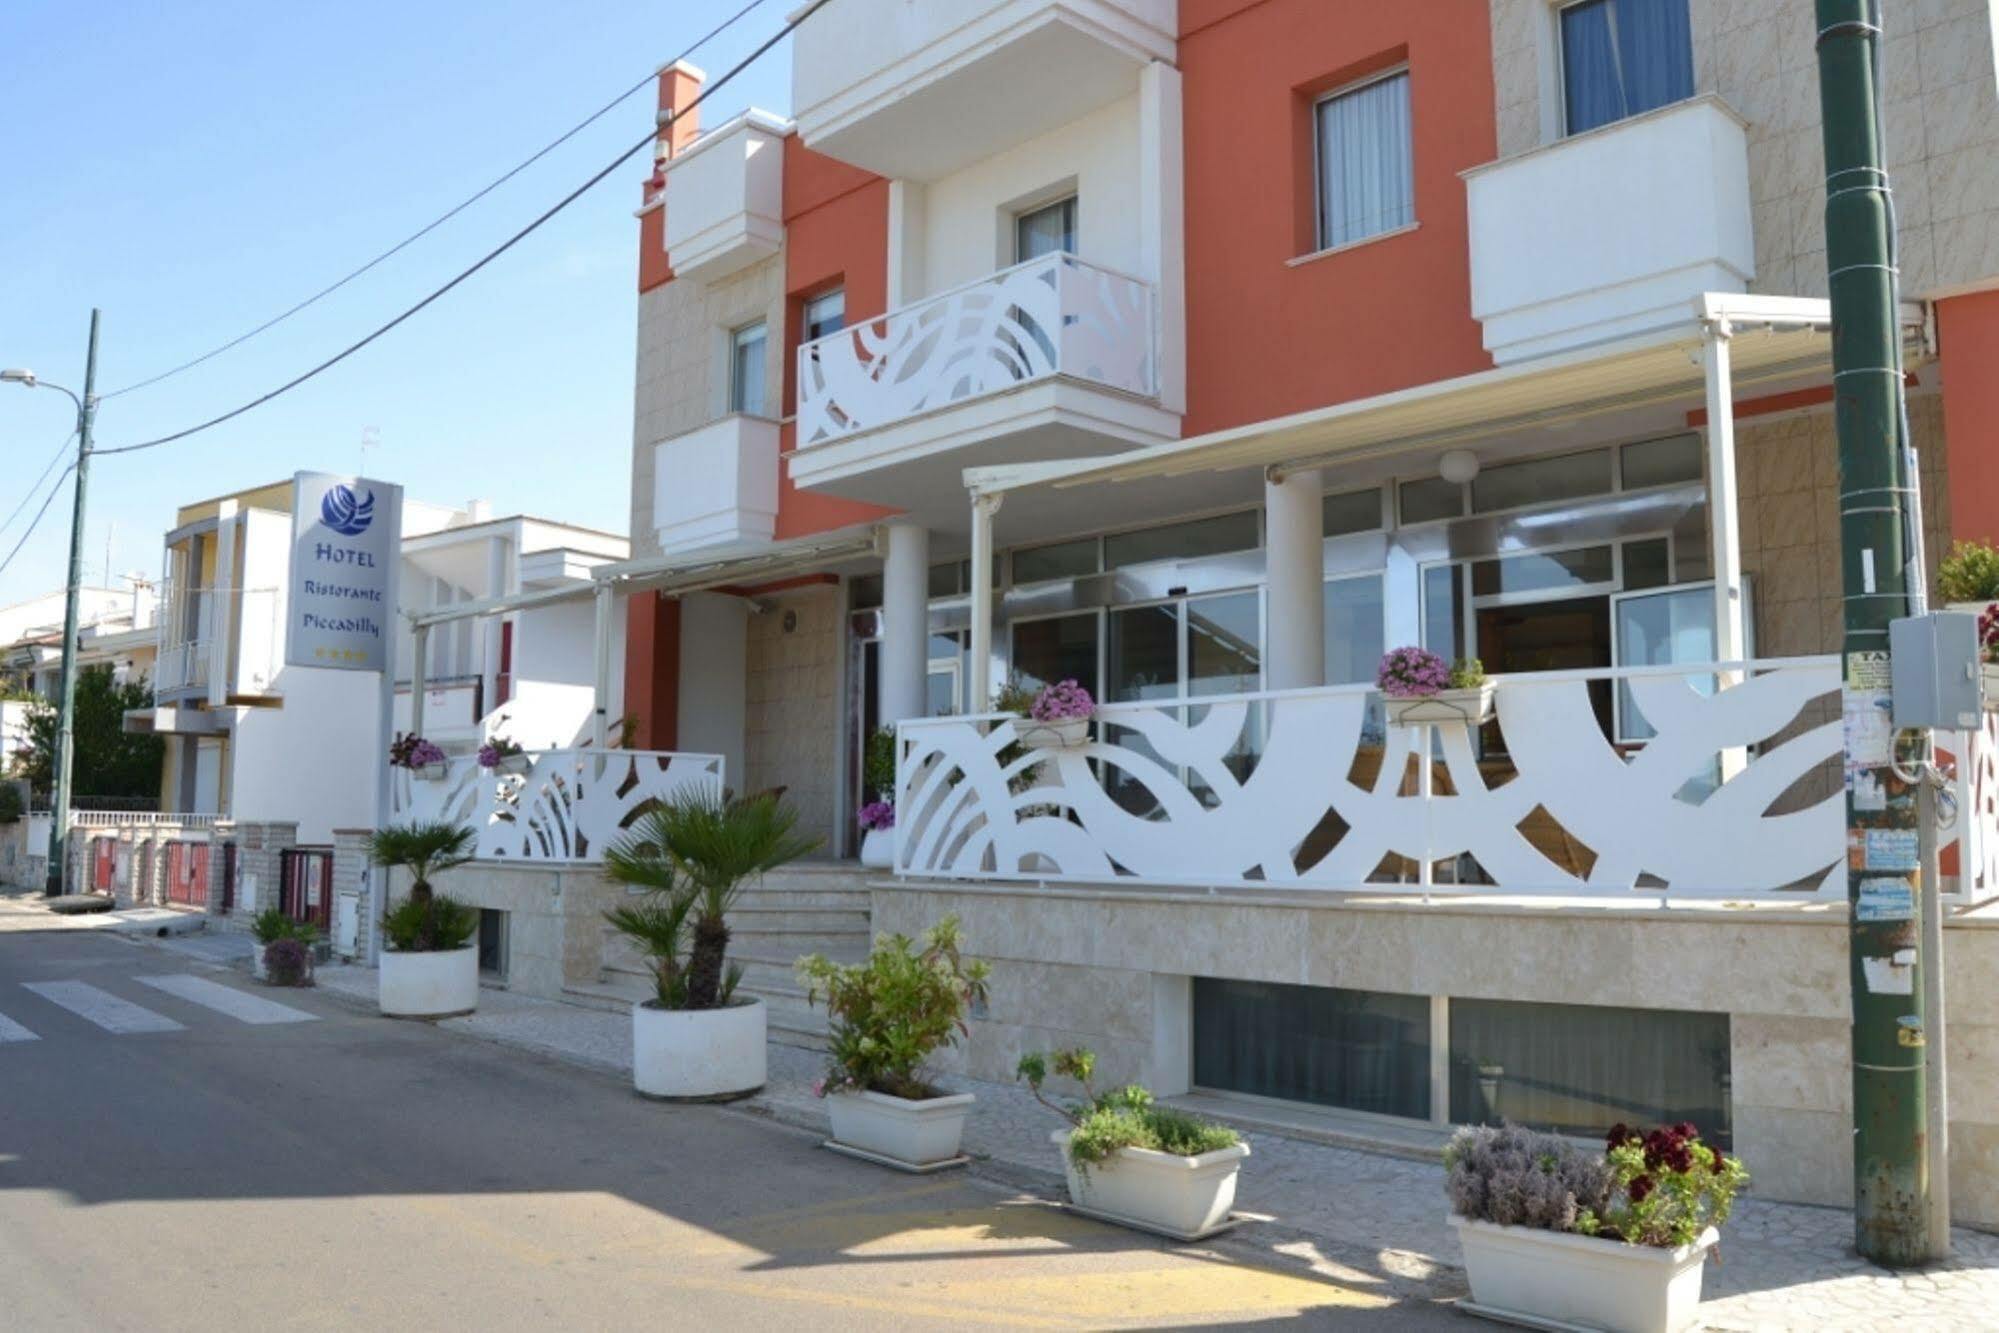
(1935, 673)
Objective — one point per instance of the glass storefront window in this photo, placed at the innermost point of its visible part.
(1540, 480)
(1059, 560)
(1355, 511)
(1667, 462)
(866, 590)
(1144, 657)
(1430, 498)
(1647, 564)
(1579, 1069)
(1443, 611)
(1056, 649)
(1552, 571)
(1358, 1050)
(1224, 644)
(1184, 541)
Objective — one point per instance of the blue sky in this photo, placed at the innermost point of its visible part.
(194, 169)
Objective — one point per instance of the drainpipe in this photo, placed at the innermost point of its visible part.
(1890, 1178)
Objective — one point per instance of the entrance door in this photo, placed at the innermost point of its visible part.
(1568, 635)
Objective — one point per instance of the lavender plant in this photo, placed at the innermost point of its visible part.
(1516, 1177)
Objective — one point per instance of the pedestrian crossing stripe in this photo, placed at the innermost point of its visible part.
(12, 1031)
(102, 1007)
(240, 1005)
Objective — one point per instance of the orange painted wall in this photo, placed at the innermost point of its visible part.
(1265, 338)
(835, 235)
(652, 669)
(677, 88)
(1968, 346)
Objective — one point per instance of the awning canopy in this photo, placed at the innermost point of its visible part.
(1772, 339)
(680, 574)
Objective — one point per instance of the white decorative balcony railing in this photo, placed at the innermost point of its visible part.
(1055, 315)
(191, 650)
(181, 666)
(567, 806)
(1308, 789)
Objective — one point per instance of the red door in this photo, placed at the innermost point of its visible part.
(103, 863)
(187, 873)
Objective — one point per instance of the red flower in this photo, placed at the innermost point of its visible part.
(1619, 1135)
(1639, 1188)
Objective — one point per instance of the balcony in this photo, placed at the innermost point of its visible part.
(920, 90)
(1050, 358)
(716, 485)
(1612, 233)
(248, 650)
(725, 199)
(182, 668)
(1735, 794)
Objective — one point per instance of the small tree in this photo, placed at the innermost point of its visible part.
(424, 922)
(109, 761)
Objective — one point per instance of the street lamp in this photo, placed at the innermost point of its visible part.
(86, 414)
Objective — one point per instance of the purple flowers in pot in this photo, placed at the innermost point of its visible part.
(1411, 673)
(877, 815)
(410, 750)
(1062, 702)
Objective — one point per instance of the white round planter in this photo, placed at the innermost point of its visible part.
(1563, 1279)
(699, 1055)
(1184, 1197)
(437, 984)
(878, 848)
(257, 968)
(907, 1133)
(1064, 734)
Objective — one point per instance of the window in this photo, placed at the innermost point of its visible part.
(746, 369)
(1355, 511)
(1540, 480)
(1354, 629)
(493, 942)
(1045, 231)
(1361, 1050)
(1554, 571)
(825, 314)
(1621, 57)
(1366, 172)
(1430, 498)
(1677, 458)
(1059, 648)
(1579, 1069)
(1183, 541)
(1058, 560)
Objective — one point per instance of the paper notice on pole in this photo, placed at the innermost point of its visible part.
(1868, 793)
(1870, 729)
(1891, 849)
(1867, 671)
(1885, 900)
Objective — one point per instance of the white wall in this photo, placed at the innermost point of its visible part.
(554, 675)
(966, 219)
(317, 759)
(714, 679)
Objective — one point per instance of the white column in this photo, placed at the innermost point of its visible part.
(419, 685)
(1294, 546)
(1724, 517)
(491, 630)
(980, 692)
(1162, 223)
(905, 649)
(221, 605)
(600, 676)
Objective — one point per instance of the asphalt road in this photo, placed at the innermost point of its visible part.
(177, 1153)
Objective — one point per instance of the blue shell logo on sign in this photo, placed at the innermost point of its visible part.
(349, 517)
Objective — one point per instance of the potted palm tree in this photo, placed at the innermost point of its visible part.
(694, 1040)
(430, 967)
(270, 926)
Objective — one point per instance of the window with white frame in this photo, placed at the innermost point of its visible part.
(746, 369)
(1366, 166)
(824, 314)
(1623, 57)
(1045, 231)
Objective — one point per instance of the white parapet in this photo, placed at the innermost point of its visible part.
(1611, 233)
(716, 485)
(725, 198)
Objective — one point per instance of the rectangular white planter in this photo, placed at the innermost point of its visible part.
(1581, 1280)
(1180, 1196)
(1472, 706)
(915, 1134)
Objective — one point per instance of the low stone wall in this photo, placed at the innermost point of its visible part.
(1112, 969)
(556, 936)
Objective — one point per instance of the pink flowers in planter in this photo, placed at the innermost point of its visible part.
(1063, 701)
(1411, 673)
(877, 815)
(497, 749)
(410, 750)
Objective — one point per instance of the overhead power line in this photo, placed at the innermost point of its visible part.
(36, 522)
(439, 220)
(29, 494)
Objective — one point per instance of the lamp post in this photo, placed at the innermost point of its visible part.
(86, 413)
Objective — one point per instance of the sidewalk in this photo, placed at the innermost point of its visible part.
(1784, 1266)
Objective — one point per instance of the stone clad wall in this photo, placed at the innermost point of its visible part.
(1103, 968)
(792, 721)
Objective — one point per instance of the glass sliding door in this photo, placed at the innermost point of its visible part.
(1660, 628)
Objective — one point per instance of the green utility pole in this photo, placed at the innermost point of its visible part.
(1890, 1177)
(86, 415)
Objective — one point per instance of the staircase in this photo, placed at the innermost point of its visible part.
(806, 907)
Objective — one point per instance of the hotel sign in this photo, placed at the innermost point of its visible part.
(345, 542)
